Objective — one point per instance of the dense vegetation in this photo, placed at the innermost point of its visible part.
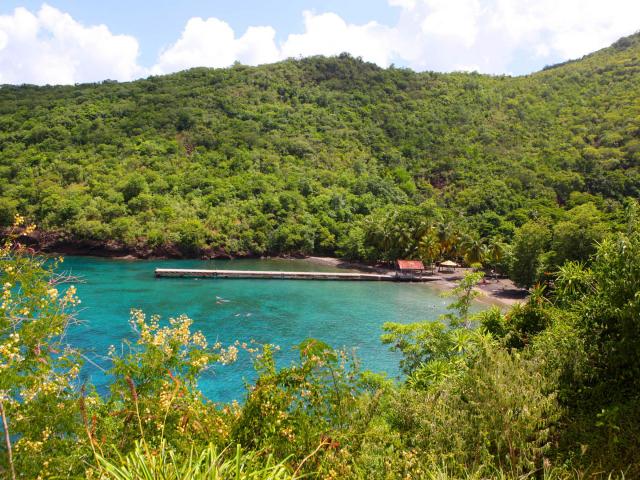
(330, 155)
(549, 390)
(535, 175)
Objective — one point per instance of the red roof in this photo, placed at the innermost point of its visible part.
(410, 265)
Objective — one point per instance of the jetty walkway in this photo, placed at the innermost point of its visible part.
(275, 275)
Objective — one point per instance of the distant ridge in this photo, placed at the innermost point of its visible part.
(623, 43)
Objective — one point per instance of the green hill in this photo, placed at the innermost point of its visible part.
(320, 155)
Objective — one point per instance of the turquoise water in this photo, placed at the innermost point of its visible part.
(283, 312)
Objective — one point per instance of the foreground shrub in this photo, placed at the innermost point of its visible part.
(433, 351)
(38, 369)
(500, 414)
(154, 393)
(601, 385)
(298, 409)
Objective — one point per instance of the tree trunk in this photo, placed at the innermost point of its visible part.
(7, 440)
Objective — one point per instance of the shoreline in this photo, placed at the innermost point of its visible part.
(501, 292)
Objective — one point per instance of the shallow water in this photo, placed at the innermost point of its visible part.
(282, 312)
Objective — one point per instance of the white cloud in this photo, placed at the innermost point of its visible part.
(329, 34)
(212, 43)
(4, 39)
(457, 19)
(466, 68)
(495, 34)
(408, 4)
(51, 47)
(257, 46)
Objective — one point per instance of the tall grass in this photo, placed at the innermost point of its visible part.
(441, 472)
(164, 464)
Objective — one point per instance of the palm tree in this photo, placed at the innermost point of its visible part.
(386, 237)
(380, 234)
(449, 238)
(475, 250)
(429, 248)
(411, 238)
(496, 250)
(403, 242)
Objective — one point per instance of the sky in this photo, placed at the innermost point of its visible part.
(76, 41)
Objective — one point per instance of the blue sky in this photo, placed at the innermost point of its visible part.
(71, 41)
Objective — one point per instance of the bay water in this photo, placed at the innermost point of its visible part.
(344, 314)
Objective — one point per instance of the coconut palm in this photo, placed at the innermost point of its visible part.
(429, 248)
(496, 250)
(449, 238)
(413, 236)
(474, 250)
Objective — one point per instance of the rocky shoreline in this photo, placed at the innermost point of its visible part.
(59, 243)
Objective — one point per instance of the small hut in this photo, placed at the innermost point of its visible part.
(410, 268)
(448, 266)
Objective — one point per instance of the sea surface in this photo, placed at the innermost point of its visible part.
(283, 312)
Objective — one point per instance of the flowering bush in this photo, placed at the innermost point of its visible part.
(154, 394)
(38, 370)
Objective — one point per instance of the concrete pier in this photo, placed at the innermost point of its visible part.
(272, 275)
(277, 275)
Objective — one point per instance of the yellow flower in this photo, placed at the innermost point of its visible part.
(229, 355)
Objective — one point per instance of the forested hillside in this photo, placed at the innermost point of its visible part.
(324, 155)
